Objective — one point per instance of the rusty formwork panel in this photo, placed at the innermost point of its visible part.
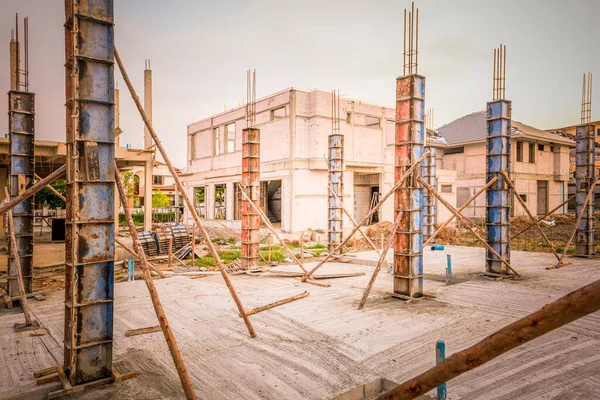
(89, 244)
(336, 182)
(251, 184)
(498, 195)
(585, 174)
(21, 113)
(409, 147)
(428, 172)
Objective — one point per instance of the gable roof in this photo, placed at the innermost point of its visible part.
(472, 128)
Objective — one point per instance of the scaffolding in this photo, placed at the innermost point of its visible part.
(89, 243)
(336, 177)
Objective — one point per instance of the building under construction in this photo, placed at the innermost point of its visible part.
(416, 288)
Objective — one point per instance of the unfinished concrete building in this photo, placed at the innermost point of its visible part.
(295, 125)
(539, 164)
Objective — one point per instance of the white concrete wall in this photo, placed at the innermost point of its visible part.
(294, 149)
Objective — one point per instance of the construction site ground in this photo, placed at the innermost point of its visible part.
(322, 346)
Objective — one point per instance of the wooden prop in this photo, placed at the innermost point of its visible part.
(460, 217)
(406, 174)
(524, 205)
(184, 377)
(186, 198)
(460, 209)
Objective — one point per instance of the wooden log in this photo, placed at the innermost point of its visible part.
(142, 331)
(524, 205)
(460, 209)
(381, 260)
(406, 174)
(574, 305)
(4, 207)
(323, 276)
(137, 257)
(56, 192)
(184, 377)
(459, 216)
(17, 260)
(186, 198)
(585, 203)
(278, 303)
(265, 219)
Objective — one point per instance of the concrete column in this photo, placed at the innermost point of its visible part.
(585, 174)
(498, 195)
(177, 214)
(148, 195)
(408, 199)
(251, 183)
(147, 103)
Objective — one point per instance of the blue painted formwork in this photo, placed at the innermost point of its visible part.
(336, 181)
(428, 172)
(498, 195)
(409, 147)
(585, 174)
(21, 128)
(89, 241)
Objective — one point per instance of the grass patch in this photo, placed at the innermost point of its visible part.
(206, 261)
(317, 246)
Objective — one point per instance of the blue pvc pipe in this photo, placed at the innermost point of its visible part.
(437, 247)
(440, 355)
(448, 266)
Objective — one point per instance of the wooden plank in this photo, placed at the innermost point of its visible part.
(142, 331)
(278, 303)
(47, 379)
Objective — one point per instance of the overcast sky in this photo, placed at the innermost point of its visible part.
(200, 51)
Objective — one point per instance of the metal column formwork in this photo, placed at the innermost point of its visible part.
(336, 179)
(89, 244)
(498, 195)
(428, 172)
(408, 199)
(21, 112)
(584, 178)
(251, 184)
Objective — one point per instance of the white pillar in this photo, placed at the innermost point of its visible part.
(148, 195)
(147, 104)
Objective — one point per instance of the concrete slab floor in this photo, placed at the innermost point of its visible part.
(321, 346)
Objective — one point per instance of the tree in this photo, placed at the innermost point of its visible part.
(159, 199)
(129, 183)
(46, 195)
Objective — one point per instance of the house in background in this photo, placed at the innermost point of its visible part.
(570, 132)
(294, 128)
(161, 180)
(539, 164)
